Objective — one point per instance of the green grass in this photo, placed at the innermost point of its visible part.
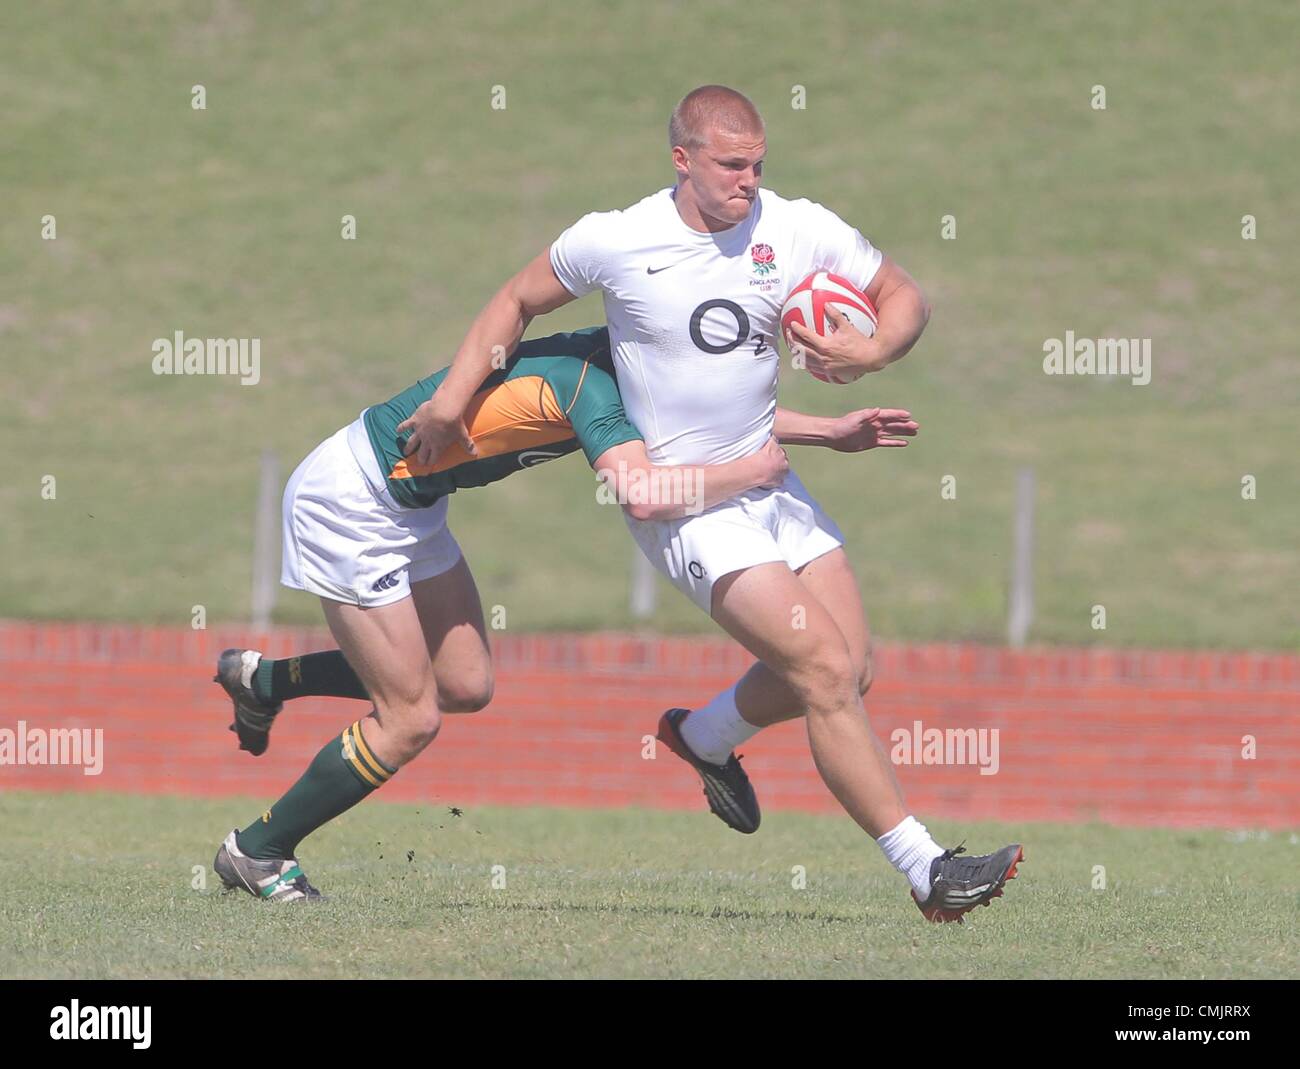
(225, 222)
(101, 886)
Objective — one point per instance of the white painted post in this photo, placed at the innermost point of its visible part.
(642, 600)
(266, 540)
(1021, 613)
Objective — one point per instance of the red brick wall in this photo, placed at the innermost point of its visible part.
(1138, 737)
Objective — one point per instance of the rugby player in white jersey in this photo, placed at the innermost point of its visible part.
(693, 279)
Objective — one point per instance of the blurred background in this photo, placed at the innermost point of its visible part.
(1123, 222)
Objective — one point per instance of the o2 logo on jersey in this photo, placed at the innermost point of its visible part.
(697, 320)
(742, 328)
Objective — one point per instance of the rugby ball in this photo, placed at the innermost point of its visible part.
(807, 303)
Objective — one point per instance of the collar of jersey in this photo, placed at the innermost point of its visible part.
(717, 237)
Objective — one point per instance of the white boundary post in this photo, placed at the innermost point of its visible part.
(266, 540)
(1021, 614)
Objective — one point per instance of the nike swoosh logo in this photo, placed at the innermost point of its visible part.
(675, 263)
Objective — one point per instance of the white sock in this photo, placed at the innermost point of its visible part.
(910, 849)
(718, 728)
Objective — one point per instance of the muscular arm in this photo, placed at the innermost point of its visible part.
(799, 428)
(668, 492)
(495, 333)
(845, 354)
(852, 432)
(903, 311)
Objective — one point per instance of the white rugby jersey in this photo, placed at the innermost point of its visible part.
(693, 317)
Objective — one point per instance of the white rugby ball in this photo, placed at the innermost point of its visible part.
(807, 303)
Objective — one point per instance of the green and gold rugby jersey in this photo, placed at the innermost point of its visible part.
(555, 395)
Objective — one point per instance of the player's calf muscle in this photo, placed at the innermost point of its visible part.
(451, 619)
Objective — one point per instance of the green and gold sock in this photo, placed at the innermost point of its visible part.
(326, 675)
(343, 773)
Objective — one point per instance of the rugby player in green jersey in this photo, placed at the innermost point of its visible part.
(365, 528)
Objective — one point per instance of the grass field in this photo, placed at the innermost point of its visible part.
(101, 886)
(225, 222)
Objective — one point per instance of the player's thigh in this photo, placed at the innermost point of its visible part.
(385, 646)
(451, 618)
(769, 611)
(831, 580)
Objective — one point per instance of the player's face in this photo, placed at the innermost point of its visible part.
(726, 172)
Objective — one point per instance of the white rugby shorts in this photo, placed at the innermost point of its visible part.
(756, 527)
(346, 539)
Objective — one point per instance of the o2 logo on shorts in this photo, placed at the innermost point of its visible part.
(696, 569)
(388, 581)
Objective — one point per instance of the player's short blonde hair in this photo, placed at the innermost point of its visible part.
(711, 107)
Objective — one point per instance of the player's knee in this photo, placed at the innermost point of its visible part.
(422, 729)
(410, 725)
(468, 694)
(826, 678)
